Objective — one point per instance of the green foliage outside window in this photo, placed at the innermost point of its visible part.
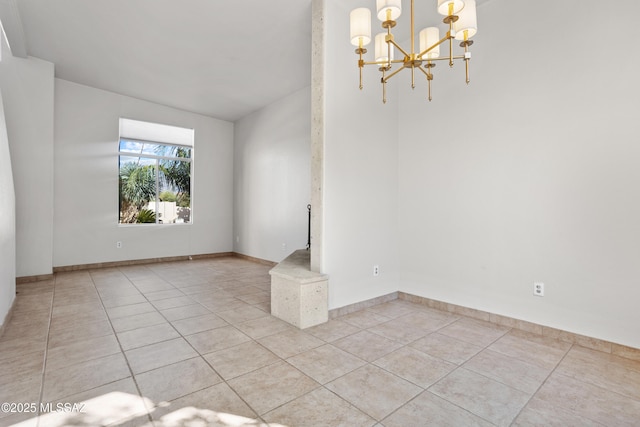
(154, 181)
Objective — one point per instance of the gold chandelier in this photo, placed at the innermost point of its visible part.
(460, 16)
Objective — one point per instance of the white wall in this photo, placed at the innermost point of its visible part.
(360, 171)
(7, 224)
(532, 172)
(271, 178)
(27, 89)
(86, 181)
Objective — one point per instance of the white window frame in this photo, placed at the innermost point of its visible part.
(157, 134)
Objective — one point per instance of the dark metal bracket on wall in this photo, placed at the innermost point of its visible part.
(309, 227)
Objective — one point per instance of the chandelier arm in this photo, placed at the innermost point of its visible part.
(392, 74)
(381, 63)
(398, 47)
(400, 61)
(446, 58)
(438, 43)
(424, 72)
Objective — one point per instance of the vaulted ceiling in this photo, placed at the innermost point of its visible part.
(223, 59)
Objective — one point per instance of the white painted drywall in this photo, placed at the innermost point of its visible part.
(271, 178)
(86, 181)
(360, 171)
(7, 224)
(27, 89)
(532, 172)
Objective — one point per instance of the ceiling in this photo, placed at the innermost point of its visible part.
(223, 59)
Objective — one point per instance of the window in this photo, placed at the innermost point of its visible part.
(154, 174)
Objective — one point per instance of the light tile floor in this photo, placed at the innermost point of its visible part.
(192, 343)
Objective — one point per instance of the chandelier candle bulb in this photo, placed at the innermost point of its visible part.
(388, 10)
(450, 7)
(360, 26)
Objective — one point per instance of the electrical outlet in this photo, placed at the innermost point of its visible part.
(538, 289)
(376, 270)
(284, 247)
(119, 245)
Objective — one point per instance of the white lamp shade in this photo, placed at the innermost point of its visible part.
(428, 37)
(383, 5)
(443, 6)
(467, 20)
(360, 26)
(382, 50)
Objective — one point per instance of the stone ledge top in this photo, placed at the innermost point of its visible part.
(297, 267)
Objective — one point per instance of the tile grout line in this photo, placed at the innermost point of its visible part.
(371, 363)
(196, 350)
(574, 345)
(461, 365)
(133, 378)
(376, 421)
(320, 385)
(224, 379)
(285, 360)
(519, 359)
(124, 354)
(439, 397)
(489, 378)
(543, 383)
(46, 351)
(57, 288)
(391, 339)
